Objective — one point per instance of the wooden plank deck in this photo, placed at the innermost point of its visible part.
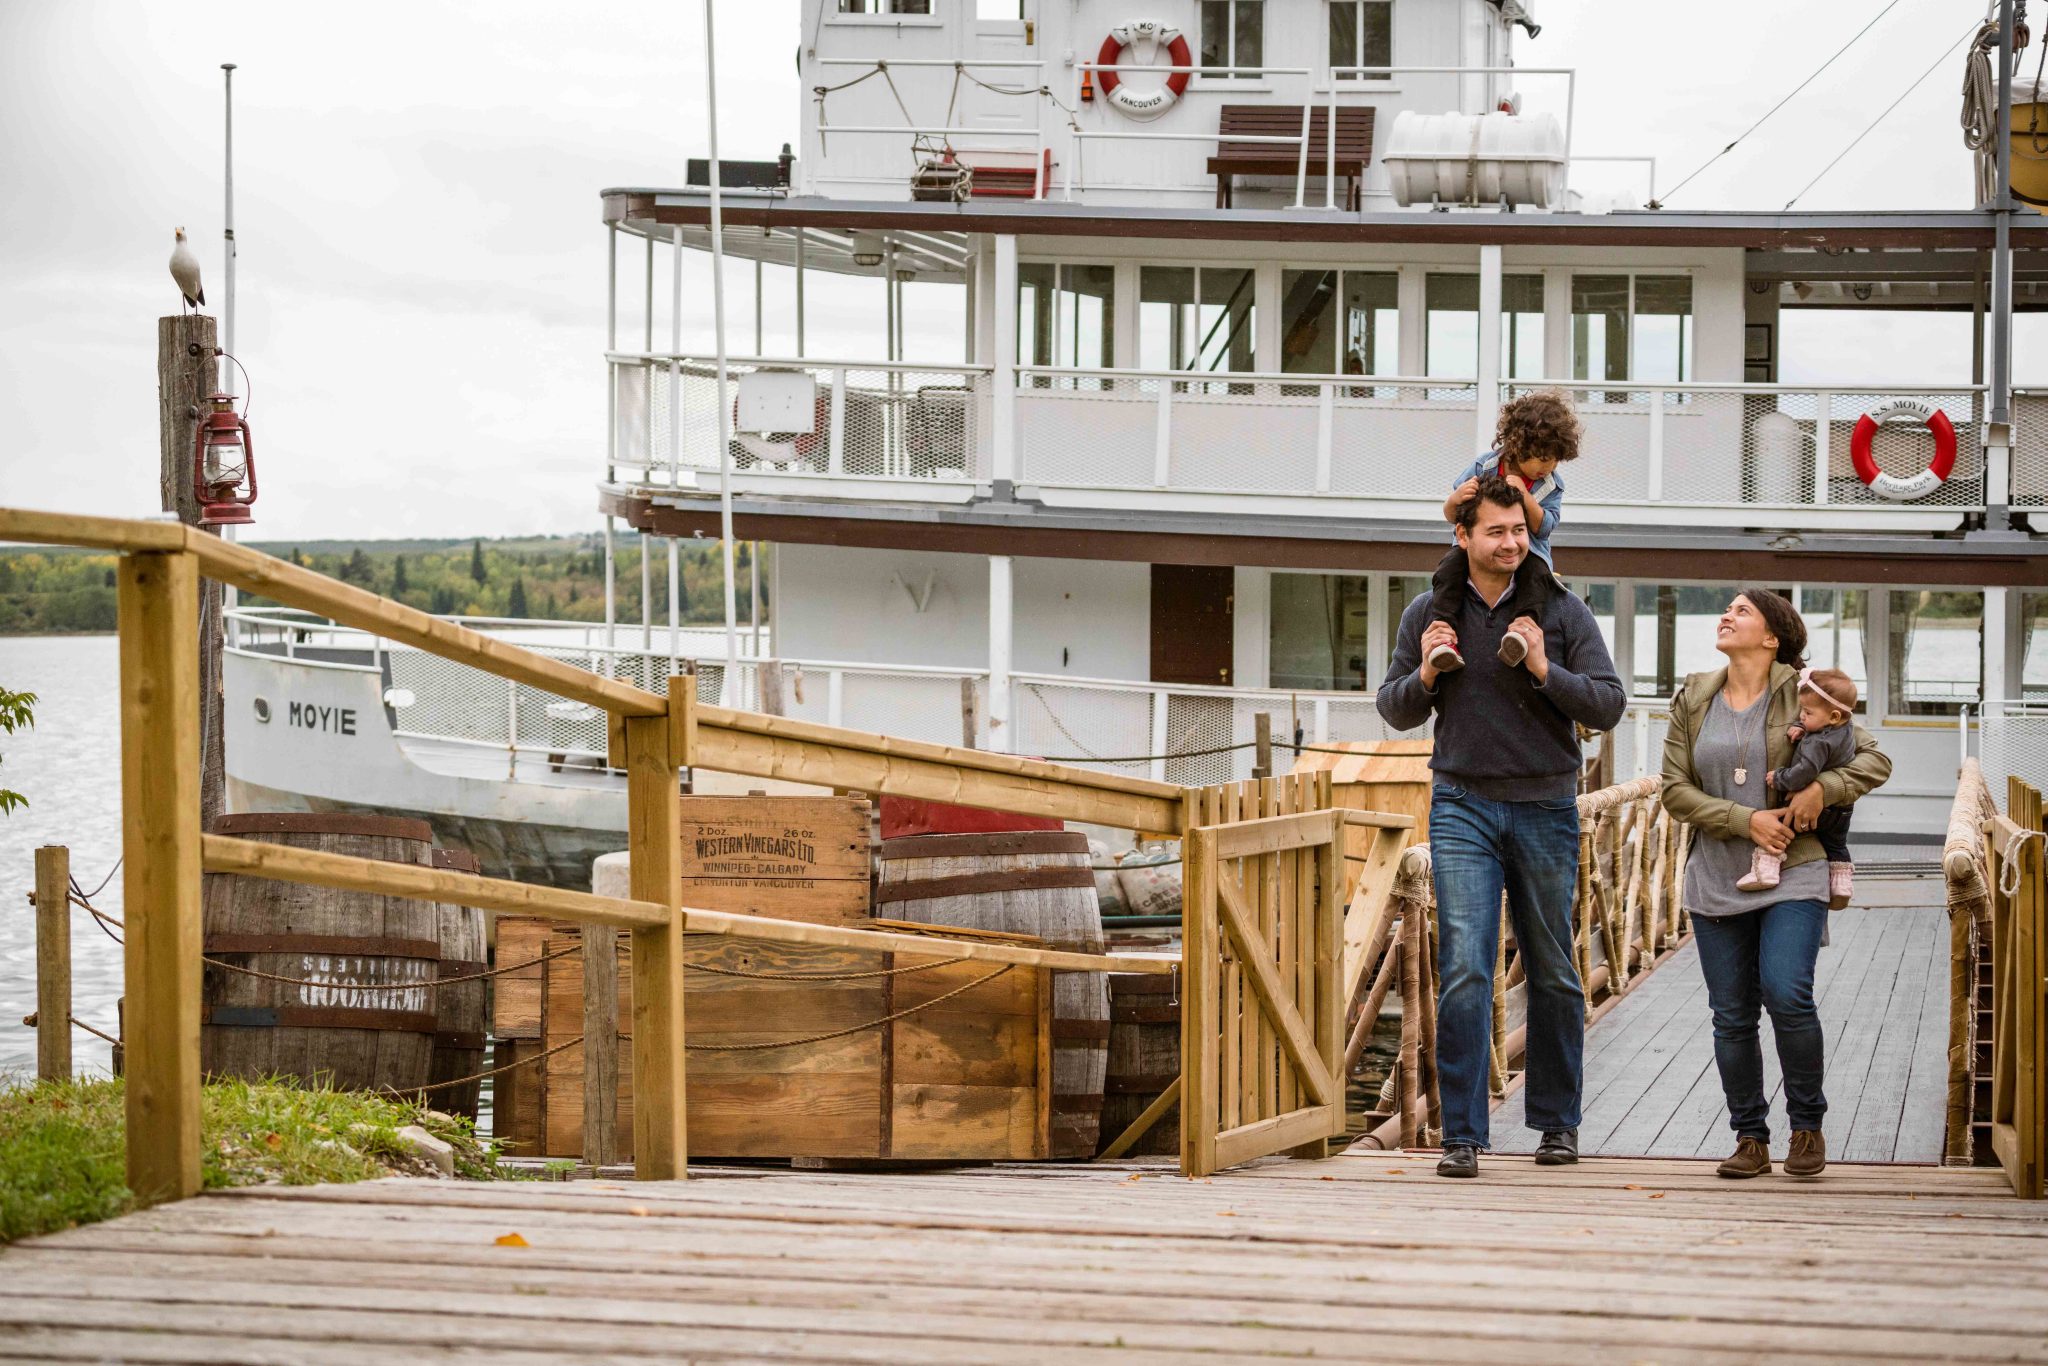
(1364, 1256)
(1882, 989)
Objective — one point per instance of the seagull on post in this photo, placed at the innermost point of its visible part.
(185, 270)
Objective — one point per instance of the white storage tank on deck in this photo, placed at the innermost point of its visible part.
(1476, 159)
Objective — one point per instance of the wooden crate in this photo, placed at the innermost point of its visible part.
(969, 1079)
(794, 858)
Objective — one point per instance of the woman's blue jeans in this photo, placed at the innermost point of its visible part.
(1478, 849)
(1757, 961)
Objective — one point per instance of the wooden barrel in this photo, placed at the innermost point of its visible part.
(1029, 882)
(330, 1033)
(1144, 1058)
(461, 1010)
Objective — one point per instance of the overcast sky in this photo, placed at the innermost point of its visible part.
(422, 263)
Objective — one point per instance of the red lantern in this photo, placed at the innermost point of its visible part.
(224, 465)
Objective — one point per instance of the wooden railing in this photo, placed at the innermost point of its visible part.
(1264, 932)
(654, 736)
(2019, 956)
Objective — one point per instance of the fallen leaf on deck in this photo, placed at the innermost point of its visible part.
(1631, 1186)
(638, 1211)
(1657, 1195)
(1397, 1171)
(1326, 1178)
(1226, 1214)
(512, 1240)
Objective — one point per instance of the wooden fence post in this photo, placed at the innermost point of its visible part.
(1262, 745)
(159, 601)
(656, 747)
(1198, 1021)
(600, 1045)
(53, 963)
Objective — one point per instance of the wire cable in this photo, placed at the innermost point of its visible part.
(1780, 104)
(1872, 125)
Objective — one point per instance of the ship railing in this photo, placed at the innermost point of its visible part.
(2029, 486)
(655, 736)
(2012, 740)
(1727, 454)
(872, 420)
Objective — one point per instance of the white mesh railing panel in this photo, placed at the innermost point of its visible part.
(1104, 436)
(897, 423)
(2029, 450)
(1379, 434)
(1906, 448)
(2013, 745)
(1084, 725)
(1243, 436)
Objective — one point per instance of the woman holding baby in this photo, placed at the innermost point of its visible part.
(1760, 756)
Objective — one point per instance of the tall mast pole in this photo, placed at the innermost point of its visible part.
(227, 316)
(729, 693)
(2001, 256)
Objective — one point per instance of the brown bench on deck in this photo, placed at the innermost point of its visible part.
(1233, 159)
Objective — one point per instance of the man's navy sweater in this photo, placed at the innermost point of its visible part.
(1499, 735)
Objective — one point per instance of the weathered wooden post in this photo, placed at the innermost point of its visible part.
(186, 375)
(600, 1045)
(1262, 745)
(159, 599)
(656, 748)
(768, 686)
(53, 963)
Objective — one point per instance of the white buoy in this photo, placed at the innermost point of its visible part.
(1476, 159)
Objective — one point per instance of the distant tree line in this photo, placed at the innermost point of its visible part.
(49, 592)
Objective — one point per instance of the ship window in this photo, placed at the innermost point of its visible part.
(1066, 316)
(1936, 651)
(1233, 34)
(1835, 623)
(1632, 327)
(1340, 322)
(1195, 318)
(1362, 34)
(1319, 637)
(881, 7)
(1450, 331)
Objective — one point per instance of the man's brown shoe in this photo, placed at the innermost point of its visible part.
(1751, 1158)
(1808, 1155)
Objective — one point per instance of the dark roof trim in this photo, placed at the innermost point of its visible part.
(1032, 529)
(1054, 218)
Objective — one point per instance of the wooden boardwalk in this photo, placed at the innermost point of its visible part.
(1362, 1257)
(1882, 989)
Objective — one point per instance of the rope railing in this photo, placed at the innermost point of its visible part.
(1965, 866)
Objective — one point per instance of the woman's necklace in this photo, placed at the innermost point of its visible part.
(1741, 774)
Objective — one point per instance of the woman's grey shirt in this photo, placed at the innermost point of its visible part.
(1729, 740)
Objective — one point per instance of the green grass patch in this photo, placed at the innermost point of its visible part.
(61, 1145)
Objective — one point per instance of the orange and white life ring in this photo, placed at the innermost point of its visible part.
(1150, 35)
(1890, 485)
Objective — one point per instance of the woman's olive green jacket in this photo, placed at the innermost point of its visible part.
(1729, 820)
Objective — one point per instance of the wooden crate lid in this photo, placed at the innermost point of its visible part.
(1369, 761)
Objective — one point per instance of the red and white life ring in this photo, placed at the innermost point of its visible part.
(1890, 485)
(1152, 35)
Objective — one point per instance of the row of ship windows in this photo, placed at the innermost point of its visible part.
(1204, 318)
(1932, 641)
(1233, 32)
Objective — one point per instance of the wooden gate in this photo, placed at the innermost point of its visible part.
(2019, 1013)
(1262, 1041)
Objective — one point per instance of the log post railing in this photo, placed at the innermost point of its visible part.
(1966, 868)
(2019, 956)
(654, 736)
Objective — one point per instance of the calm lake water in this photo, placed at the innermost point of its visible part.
(69, 768)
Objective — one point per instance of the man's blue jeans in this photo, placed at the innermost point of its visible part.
(1763, 960)
(1478, 848)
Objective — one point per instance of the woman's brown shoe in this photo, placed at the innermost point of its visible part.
(1751, 1158)
(1808, 1155)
